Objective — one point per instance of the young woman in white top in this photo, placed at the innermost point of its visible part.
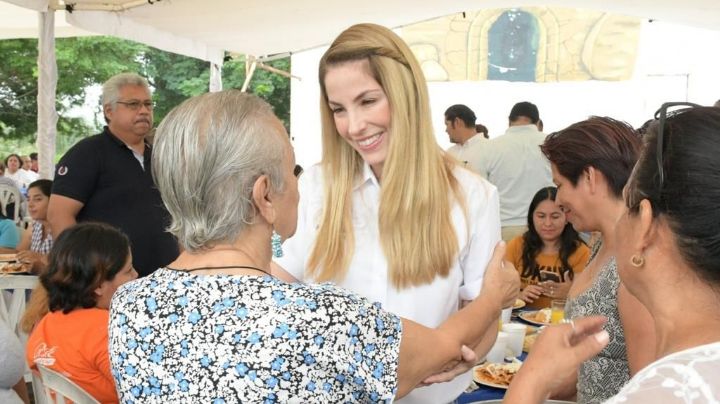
(388, 214)
(668, 256)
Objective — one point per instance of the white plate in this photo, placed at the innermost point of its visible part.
(529, 316)
(490, 383)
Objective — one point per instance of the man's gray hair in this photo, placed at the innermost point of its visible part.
(111, 88)
(208, 153)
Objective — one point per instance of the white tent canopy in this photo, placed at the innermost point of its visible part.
(205, 29)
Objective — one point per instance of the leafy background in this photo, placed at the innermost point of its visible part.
(84, 62)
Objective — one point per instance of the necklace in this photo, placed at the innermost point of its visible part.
(223, 267)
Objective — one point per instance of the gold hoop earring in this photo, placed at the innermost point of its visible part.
(637, 261)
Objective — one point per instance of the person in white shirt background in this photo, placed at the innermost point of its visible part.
(22, 178)
(514, 163)
(388, 214)
(462, 131)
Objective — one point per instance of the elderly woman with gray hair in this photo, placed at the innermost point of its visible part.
(217, 325)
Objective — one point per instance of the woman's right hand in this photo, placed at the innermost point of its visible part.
(502, 277)
(568, 345)
(531, 293)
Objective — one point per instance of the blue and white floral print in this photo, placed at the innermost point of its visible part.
(179, 337)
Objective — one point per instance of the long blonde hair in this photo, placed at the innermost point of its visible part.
(418, 188)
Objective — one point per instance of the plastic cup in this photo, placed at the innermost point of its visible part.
(497, 352)
(515, 337)
(505, 317)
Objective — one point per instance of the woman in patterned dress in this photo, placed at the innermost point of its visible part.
(37, 240)
(591, 161)
(214, 326)
(668, 256)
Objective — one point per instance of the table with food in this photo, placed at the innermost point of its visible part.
(491, 379)
(9, 265)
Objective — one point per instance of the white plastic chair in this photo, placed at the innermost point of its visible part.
(12, 306)
(13, 292)
(58, 387)
(38, 389)
(10, 194)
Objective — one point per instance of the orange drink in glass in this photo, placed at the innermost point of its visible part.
(557, 313)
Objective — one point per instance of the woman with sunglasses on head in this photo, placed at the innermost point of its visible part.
(591, 161)
(87, 264)
(668, 255)
(388, 214)
(550, 247)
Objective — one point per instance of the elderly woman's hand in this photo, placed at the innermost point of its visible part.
(502, 277)
(469, 359)
(555, 356)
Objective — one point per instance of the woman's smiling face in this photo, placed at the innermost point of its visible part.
(361, 110)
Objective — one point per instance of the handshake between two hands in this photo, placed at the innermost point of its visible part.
(502, 280)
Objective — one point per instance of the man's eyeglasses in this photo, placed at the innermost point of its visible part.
(667, 110)
(135, 105)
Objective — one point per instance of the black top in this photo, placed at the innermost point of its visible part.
(103, 173)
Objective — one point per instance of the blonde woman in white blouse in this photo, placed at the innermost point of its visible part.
(388, 214)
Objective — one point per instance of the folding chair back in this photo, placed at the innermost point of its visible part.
(38, 388)
(59, 388)
(13, 293)
(8, 195)
(14, 290)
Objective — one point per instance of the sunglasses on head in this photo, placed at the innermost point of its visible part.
(667, 110)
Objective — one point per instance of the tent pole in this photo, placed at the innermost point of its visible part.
(250, 65)
(215, 78)
(47, 87)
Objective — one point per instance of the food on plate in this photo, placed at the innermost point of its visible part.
(500, 374)
(13, 267)
(543, 316)
(519, 304)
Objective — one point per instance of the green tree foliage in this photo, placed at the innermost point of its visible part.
(87, 61)
(81, 63)
(272, 87)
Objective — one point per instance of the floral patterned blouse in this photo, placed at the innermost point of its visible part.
(688, 376)
(180, 337)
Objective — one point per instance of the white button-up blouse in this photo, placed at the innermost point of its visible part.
(367, 275)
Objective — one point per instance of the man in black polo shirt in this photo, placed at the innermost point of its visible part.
(107, 177)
